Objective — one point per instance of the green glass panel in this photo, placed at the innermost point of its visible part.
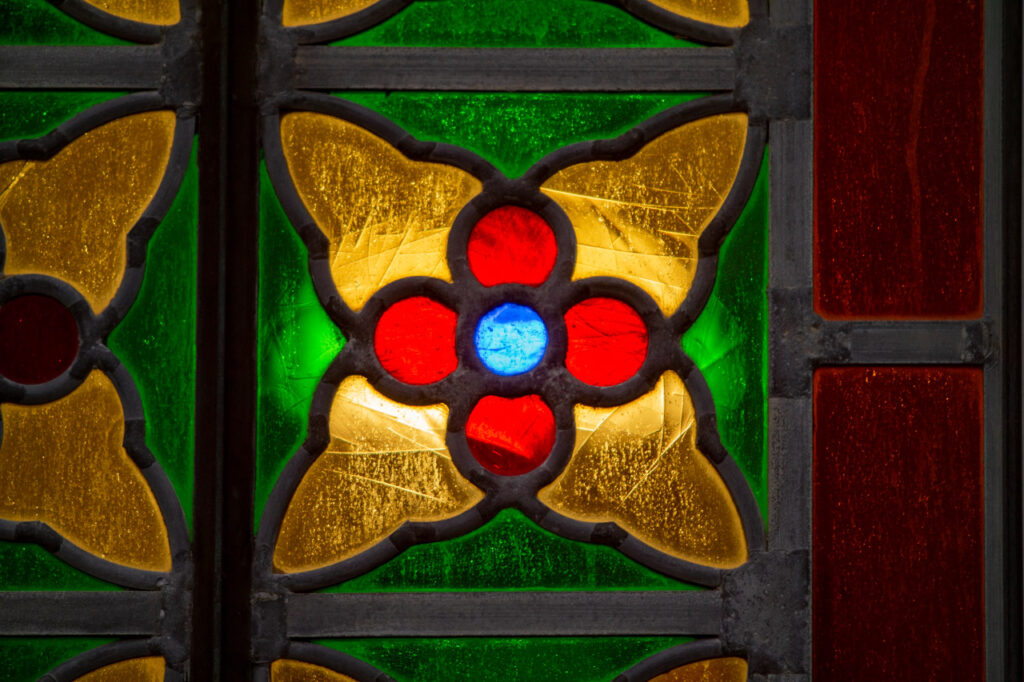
(29, 114)
(156, 340)
(38, 22)
(485, 659)
(729, 340)
(510, 552)
(523, 23)
(26, 659)
(515, 130)
(297, 341)
(25, 566)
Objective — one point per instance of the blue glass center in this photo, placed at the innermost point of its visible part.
(511, 339)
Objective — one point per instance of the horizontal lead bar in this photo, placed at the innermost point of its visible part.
(80, 613)
(80, 67)
(915, 342)
(515, 69)
(515, 614)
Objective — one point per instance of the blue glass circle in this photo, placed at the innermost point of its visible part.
(511, 339)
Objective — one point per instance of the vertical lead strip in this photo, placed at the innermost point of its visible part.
(226, 342)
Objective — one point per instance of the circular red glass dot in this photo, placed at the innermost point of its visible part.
(512, 244)
(38, 339)
(415, 340)
(607, 341)
(510, 436)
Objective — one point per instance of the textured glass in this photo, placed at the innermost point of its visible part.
(300, 12)
(729, 340)
(68, 216)
(25, 659)
(899, 524)
(510, 436)
(732, 13)
(511, 244)
(607, 341)
(415, 340)
(514, 130)
(510, 339)
(638, 465)
(523, 23)
(713, 670)
(296, 343)
(298, 671)
(510, 552)
(385, 217)
(163, 12)
(639, 219)
(149, 669)
(26, 566)
(484, 659)
(156, 339)
(38, 339)
(63, 463)
(387, 463)
(38, 22)
(27, 114)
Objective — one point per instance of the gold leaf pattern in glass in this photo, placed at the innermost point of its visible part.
(149, 669)
(730, 13)
(285, 670)
(303, 12)
(385, 217)
(711, 670)
(63, 463)
(162, 12)
(387, 463)
(68, 217)
(639, 219)
(638, 465)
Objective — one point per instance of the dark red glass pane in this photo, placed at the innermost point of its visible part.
(512, 244)
(415, 340)
(607, 341)
(511, 436)
(898, 159)
(898, 504)
(38, 339)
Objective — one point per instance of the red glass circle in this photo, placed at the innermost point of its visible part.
(38, 339)
(510, 436)
(512, 244)
(415, 340)
(607, 341)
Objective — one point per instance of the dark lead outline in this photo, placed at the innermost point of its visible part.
(108, 654)
(462, 388)
(119, 27)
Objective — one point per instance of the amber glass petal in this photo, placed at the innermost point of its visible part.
(712, 670)
(638, 465)
(639, 219)
(732, 13)
(68, 216)
(149, 669)
(63, 463)
(302, 12)
(298, 671)
(385, 217)
(163, 12)
(387, 463)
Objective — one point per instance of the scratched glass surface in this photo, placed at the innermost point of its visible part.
(161, 12)
(148, 669)
(712, 670)
(30, 114)
(285, 670)
(487, 659)
(26, 659)
(38, 22)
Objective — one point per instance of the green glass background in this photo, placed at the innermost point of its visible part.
(29, 114)
(26, 659)
(37, 22)
(25, 566)
(485, 659)
(523, 23)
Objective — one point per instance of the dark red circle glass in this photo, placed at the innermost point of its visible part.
(38, 339)
(415, 340)
(510, 436)
(512, 244)
(607, 341)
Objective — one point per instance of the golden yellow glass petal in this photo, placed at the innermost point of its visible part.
(163, 12)
(638, 465)
(639, 219)
(387, 463)
(385, 217)
(149, 669)
(63, 463)
(302, 12)
(711, 670)
(68, 216)
(731, 13)
(297, 671)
